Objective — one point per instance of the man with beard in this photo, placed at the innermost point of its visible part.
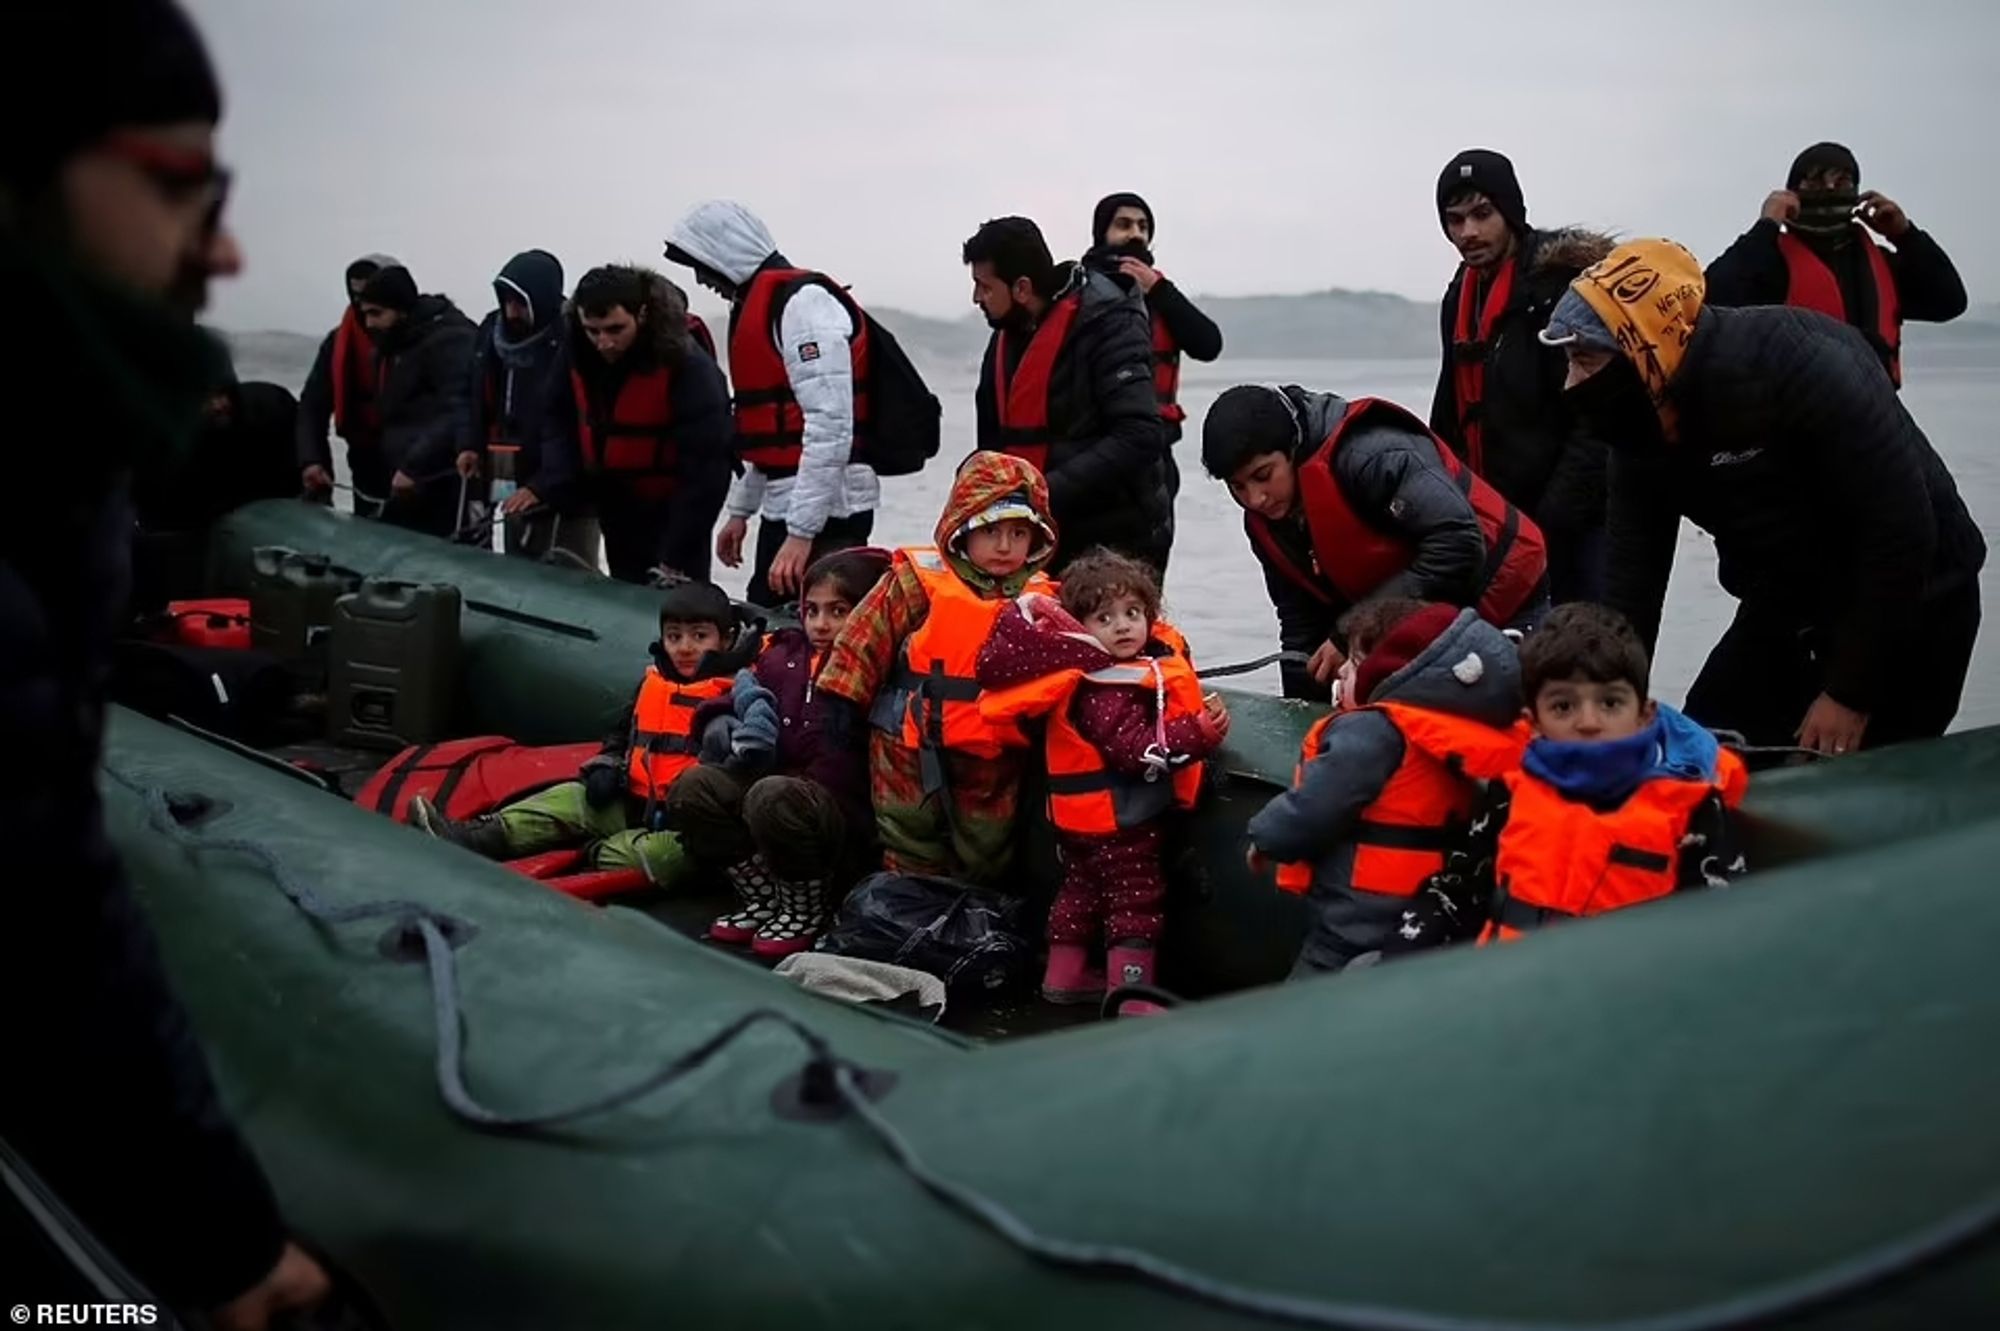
(340, 390)
(1122, 232)
(1837, 528)
(1067, 385)
(519, 354)
(1499, 400)
(110, 229)
(1812, 248)
(799, 358)
(640, 425)
(422, 344)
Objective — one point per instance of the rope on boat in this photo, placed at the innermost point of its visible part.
(1245, 667)
(826, 1075)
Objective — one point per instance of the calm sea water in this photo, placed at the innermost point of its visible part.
(1215, 590)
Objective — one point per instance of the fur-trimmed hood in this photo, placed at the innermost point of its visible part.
(667, 338)
(1569, 250)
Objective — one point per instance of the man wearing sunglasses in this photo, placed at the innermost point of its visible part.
(110, 231)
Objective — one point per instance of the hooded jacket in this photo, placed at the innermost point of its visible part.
(1777, 434)
(510, 380)
(729, 239)
(1107, 469)
(108, 1095)
(861, 658)
(1536, 452)
(1393, 478)
(423, 386)
(1194, 333)
(700, 412)
(316, 396)
(1361, 750)
(1752, 271)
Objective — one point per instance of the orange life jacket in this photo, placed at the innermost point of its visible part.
(1085, 796)
(1167, 373)
(1560, 858)
(357, 381)
(1811, 285)
(931, 701)
(1021, 397)
(770, 425)
(1357, 557)
(1404, 834)
(663, 743)
(633, 440)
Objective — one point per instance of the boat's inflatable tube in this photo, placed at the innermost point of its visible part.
(1671, 1106)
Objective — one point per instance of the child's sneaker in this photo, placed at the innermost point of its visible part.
(482, 835)
(1069, 976)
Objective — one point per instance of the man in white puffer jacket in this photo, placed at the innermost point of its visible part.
(798, 363)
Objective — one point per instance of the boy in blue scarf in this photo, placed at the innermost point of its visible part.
(1620, 799)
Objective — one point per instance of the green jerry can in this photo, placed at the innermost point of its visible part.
(395, 664)
(291, 600)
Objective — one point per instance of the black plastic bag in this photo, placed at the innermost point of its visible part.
(971, 939)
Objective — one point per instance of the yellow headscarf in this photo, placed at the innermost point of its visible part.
(1649, 293)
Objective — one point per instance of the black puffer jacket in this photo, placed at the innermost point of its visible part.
(1823, 496)
(1108, 467)
(1536, 452)
(424, 386)
(1394, 480)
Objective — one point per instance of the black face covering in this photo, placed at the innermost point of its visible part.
(1615, 407)
(1825, 214)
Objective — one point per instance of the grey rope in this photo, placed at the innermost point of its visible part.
(1245, 667)
(825, 1071)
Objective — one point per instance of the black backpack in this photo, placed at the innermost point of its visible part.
(903, 414)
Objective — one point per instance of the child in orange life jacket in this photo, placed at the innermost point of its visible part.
(614, 805)
(1127, 730)
(1620, 799)
(1386, 786)
(778, 837)
(943, 780)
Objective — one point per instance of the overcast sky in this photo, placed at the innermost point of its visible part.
(1284, 146)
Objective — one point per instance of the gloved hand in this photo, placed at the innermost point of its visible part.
(716, 739)
(603, 782)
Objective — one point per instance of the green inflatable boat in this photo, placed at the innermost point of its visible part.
(492, 1106)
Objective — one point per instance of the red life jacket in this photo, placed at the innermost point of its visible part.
(1811, 285)
(1356, 557)
(770, 426)
(1561, 859)
(1469, 348)
(698, 330)
(467, 777)
(633, 441)
(1421, 813)
(1021, 398)
(357, 381)
(1167, 373)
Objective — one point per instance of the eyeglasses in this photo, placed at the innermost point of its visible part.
(181, 173)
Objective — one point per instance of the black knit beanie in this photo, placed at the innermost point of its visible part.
(392, 288)
(118, 63)
(1107, 208)
(1488, 173)
(1822, 157)
(1246, 420)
